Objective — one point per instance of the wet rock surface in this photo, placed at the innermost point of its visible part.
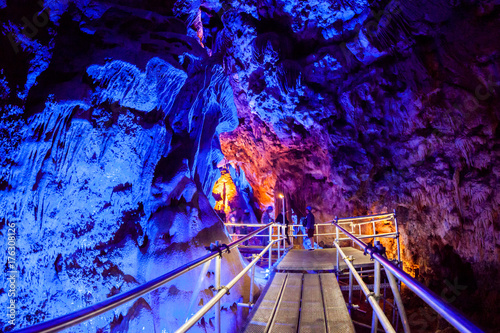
(111, 114)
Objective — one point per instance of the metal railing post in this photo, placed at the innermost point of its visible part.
(359, 228)
(286, 236)
(374, 232)
(444, 309)
(270, 231)
(370, 297)
(82, 315)
(337, 241)
(397, 236)
(218, 261)
(376, 291)
(317, 232)
(284, 221)
(279, 241)
(350, 286)
(223, 291)
(250, 300)
(399, 301)
(352, 230)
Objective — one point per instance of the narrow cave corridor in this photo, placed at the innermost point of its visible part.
(135, 134)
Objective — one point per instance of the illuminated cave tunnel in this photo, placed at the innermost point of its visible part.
(131, 130)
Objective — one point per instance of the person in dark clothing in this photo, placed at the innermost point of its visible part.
(310, 226)
(279, 219)
(266, 219)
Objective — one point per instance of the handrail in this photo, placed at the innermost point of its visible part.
(353, 222)
(354, 218)
(245, 224)
(210, 304)
(371, 297)
(445, 310)
(82, 315)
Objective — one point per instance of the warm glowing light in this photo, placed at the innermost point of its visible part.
(281, 196)
(224, 190)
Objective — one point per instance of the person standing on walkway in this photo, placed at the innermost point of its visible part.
(266, 218)
(310, 226)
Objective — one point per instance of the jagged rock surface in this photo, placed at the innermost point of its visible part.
(391, 106)
(353, 107)
(107, 163)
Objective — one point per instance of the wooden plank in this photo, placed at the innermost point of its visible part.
(286, 319)
(310, 302)
(338, 319)
(262, 316)
(312, 316)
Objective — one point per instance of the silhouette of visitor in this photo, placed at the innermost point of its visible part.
(310, 226)
(266, 218)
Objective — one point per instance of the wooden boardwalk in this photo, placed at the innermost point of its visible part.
(295, 302)
(321, 260)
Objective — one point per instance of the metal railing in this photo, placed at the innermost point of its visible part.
(373, 219)
(353, 222)
(280, 231)
(393, 271)
(74, 318)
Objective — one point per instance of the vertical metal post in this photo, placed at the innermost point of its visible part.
(218, 261)
(359, 228)
(352, 232)
(285, 237)
(374, 232)
(282, 233)
(317, 232)
(284, 224)
(270, 231)
(397, 236)
(398, 301)
(376, 290)
(350, 286)
(399, 256)
(279, 242)
(337, 240)
(250, 300)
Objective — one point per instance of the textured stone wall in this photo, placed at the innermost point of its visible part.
(110, 126)
(364, 107)
(112, 113)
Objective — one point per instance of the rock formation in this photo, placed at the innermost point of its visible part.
(112, 112)
(357, 107)
(107, 163)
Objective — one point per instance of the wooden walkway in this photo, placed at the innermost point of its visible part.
(321, 260)
(295, 302)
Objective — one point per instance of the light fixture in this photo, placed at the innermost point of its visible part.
(281, 196)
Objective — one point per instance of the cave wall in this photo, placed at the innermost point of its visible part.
(358, 107)
(110, 122)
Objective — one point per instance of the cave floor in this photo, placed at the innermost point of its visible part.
(321, 260)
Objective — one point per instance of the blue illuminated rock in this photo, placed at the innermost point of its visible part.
(115, 115)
